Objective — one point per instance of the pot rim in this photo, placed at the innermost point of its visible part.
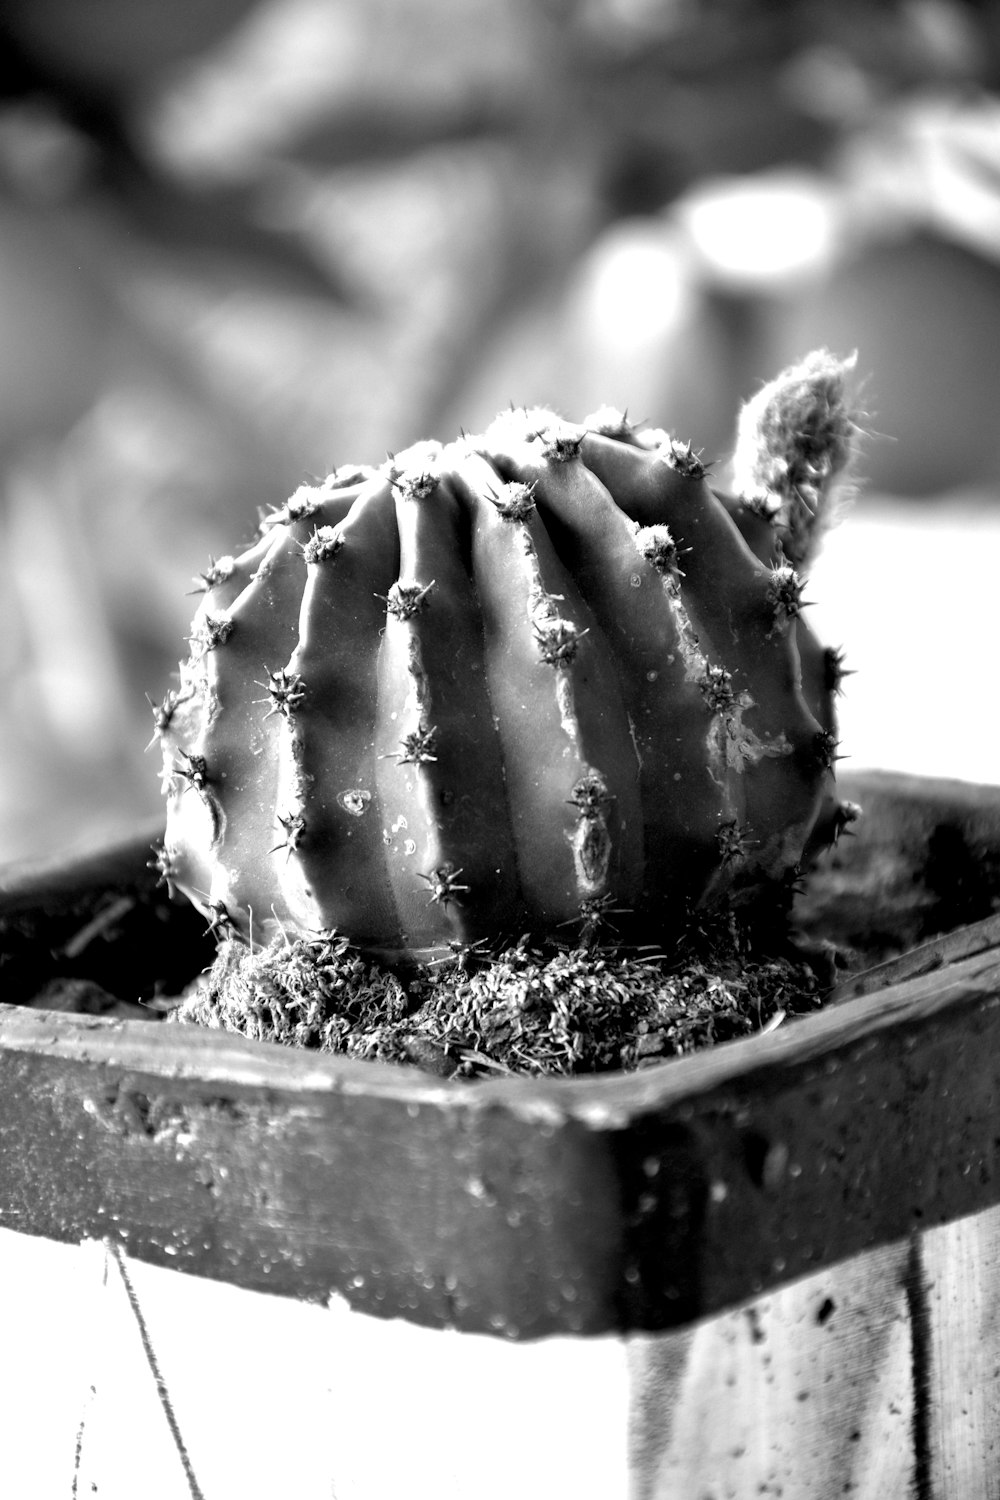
(514, 1206)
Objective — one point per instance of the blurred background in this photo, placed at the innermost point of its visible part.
(244, 241)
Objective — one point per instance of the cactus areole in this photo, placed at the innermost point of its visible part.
(537, 680)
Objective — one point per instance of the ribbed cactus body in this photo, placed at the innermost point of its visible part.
(535, 680)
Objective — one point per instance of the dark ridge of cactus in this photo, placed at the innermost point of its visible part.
(513, 684)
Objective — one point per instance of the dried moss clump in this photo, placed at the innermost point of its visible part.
(530, 1010)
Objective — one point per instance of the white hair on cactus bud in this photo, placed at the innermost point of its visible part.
(795, 442)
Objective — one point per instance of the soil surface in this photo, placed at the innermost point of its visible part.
(525, 1009)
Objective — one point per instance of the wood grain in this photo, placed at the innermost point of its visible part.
(872, 1377)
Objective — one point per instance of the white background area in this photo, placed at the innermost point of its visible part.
(911, 591)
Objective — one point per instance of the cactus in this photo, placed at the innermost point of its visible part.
(543, 680)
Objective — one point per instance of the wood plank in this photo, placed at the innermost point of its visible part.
(802, 1393)
(873, 1377)
(48, 1294)
(937, 953)
(959, 1272)
(213, 1390)
(188, 1389)
(101, 916)
(50, 884)
(923, 859)
(653, 1199)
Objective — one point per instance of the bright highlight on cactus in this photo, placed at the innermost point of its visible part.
(512, 684)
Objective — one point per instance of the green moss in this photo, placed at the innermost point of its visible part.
(524, 1009)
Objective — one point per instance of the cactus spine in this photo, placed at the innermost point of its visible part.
(519, 682)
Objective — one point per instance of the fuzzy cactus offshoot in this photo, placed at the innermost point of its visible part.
(543, 680)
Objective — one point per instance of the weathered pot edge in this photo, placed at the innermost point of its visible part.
(581, 1205)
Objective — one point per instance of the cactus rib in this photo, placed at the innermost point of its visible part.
(515, 683)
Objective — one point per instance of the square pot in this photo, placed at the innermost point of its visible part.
(767, 1268)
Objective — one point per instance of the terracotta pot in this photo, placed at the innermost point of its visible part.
(234, 1269)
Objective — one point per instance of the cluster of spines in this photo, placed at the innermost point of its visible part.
(324, 543)
(218, 570)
